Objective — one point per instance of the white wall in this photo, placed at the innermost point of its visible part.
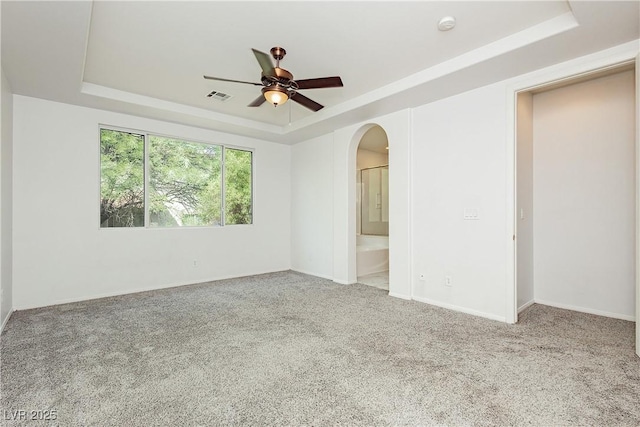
(323, 202)
(584, 196)
(61, 254)
(443, 157)
(312, 206)
(524, 205)
(6, 215)
(449, 155)
(458, 161)
(346, 141)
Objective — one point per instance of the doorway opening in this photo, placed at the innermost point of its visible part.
(372, 209)
(575, 186)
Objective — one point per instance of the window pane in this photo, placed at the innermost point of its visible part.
(185, 183)
(121, 179)
(238, 186)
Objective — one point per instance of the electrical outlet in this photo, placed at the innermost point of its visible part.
(447, 281)
(195, 263)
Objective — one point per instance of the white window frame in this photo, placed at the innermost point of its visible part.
(145, 135)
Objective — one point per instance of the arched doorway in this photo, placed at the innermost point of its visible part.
(372, 208)
(345, 147)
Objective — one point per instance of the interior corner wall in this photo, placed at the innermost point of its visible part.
(443, 157)
(584, 196)
(524, 200)
(312, 206)
(6, 204)
(60, 252)
(459, 162)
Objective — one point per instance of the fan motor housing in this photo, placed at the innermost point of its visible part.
(280, 80)
(282, 76)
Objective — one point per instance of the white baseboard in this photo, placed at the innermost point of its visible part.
(401, 296)
(343, 282)
(461, 309)
(5, 320)
(322, 276)
(526, 305)
(586, 310)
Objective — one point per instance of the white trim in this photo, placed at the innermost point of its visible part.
(343, 282)
(6, 319)
(637, 146)
(146, 179)
(322, 276)
(160, 104)
(86, 45)
(526, 305)
(223, 190)
(411, 204)
(147, 175)
(461, 309)
(511, 297)
(401, 296)
(586, 310)
(568, 69)
(145, 289)
(549, 28)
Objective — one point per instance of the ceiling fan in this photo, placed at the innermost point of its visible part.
(279, 84)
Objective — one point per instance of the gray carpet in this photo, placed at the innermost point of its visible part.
(291, 349)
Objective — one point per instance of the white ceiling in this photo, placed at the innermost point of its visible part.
(148, 58)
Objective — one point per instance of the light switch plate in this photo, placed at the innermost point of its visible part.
(471, 214)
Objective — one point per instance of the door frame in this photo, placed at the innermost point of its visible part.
(637, 60)
(345, 144)
(595, 63)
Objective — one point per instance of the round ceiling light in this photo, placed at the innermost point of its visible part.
(446, 23)
(275, 94)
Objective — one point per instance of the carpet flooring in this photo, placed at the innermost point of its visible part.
(291, 349)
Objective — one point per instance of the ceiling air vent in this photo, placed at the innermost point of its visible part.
(218, 95)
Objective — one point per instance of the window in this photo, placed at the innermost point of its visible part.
(237, 184)
(122, 179)
(185, 182)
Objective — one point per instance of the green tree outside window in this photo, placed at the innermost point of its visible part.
(184, 185)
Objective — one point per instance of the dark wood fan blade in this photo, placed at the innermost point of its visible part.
(306, 102)
(265, 63)
(232, 81)
(319, 83)
(257, 102)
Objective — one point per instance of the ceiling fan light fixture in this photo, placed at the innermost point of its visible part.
(275, 94)
(278, 84)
